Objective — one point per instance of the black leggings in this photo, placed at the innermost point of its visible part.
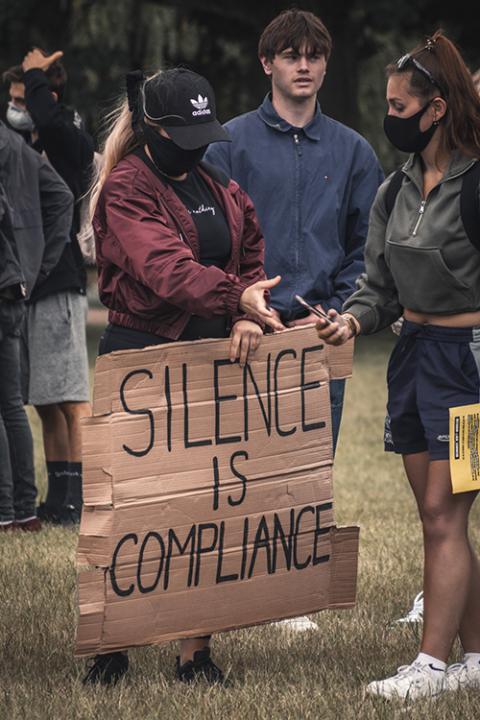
(116, 337)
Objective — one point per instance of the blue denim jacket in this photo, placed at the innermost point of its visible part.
(312, 189)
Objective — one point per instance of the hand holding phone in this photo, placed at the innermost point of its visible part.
(314, 310)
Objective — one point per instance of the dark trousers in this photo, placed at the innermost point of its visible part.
(337, 392)
(17, 474)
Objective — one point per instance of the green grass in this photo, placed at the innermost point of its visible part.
(319, 675)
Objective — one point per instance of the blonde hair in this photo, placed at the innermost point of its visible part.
(119, 140)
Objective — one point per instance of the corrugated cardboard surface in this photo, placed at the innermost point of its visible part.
(208, 500)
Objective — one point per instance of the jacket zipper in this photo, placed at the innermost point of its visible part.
(298, 148)
(296, 140)
(421, 209)
(421, 212)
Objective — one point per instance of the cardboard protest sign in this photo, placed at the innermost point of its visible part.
(464, 446)
(208, 497)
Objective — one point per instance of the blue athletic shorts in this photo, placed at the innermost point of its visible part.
(432, 369)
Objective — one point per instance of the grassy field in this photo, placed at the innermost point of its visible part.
(319, 675)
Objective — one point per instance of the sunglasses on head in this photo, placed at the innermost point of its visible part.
(408, 58)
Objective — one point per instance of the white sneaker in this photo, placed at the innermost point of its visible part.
(415, 615)
(410, 683)
(462, 675)
(297, 625)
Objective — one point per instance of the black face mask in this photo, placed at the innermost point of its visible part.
(405, 133)
(168, 157)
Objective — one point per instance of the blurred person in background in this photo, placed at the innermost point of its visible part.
(423, 261)
(179, 253)
(35, 217)
(55, 360)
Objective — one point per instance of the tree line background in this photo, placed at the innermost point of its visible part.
(102, 39)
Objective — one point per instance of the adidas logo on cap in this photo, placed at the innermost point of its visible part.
(201, 105)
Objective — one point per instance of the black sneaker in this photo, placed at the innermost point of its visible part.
(107, 669)
(49, 513)
(201, 667)
(69, 515)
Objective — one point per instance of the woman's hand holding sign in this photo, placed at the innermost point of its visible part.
(244, 341)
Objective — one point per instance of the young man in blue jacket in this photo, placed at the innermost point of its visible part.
(312, 180)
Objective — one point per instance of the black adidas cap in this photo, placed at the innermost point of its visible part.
(183, 103)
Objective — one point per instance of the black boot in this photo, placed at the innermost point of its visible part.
(71, 510)
(107, 669)
(58, 473)
(201, 667)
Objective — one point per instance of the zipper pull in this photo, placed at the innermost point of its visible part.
(421, 211)
(296, 140)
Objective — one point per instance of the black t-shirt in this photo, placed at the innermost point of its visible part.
(214, 239)
(213, 232)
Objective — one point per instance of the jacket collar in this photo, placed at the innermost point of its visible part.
(270, 117)
(458, 165)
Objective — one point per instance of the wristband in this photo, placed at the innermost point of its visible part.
(352, 323)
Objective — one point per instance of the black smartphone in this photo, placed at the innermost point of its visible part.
(314, 310)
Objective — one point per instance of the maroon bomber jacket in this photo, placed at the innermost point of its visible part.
(149, 274)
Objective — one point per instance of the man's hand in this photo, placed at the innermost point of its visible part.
(244, 341)
(36, 59)
(308, 320)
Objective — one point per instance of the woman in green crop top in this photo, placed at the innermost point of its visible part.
(421, 264)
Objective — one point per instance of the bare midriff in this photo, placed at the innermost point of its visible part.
(467, 319)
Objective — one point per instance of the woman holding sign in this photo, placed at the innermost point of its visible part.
(423, 261)
(179, 253)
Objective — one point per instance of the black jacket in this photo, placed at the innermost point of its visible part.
(40, 206)
(69, 149)
(12, 282)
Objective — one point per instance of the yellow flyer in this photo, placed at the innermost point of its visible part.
(464, 456)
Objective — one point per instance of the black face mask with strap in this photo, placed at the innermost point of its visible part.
(169, 158)
(405, 133)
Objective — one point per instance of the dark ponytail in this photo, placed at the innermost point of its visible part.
(454, 82)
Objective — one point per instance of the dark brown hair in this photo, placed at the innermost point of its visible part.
(55, 74)
(451, 79)
(295, 29)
